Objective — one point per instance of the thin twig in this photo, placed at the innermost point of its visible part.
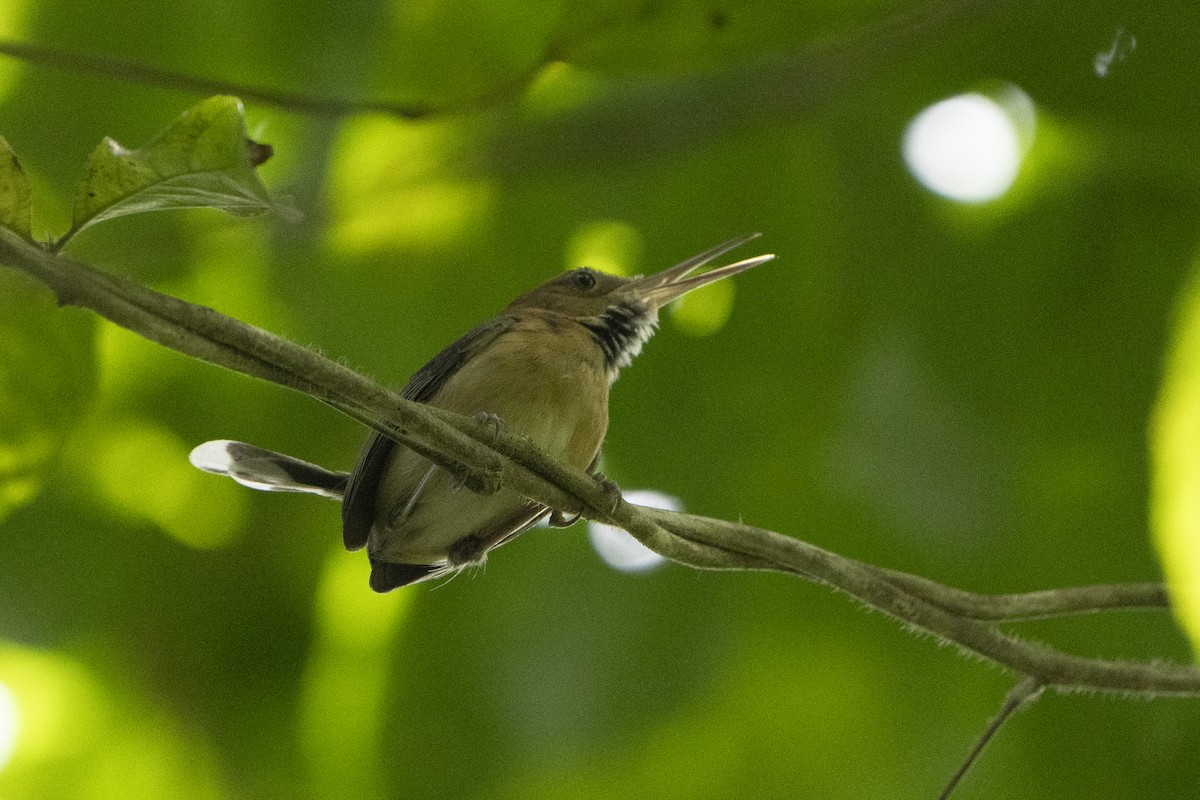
(1051, 667)
(1020, 695)
(1034, 605)
(121, 69)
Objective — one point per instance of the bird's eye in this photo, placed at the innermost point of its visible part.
(584, 279)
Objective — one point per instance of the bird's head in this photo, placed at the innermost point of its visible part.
(621, 313)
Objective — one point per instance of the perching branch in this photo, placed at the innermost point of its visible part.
(488, 459)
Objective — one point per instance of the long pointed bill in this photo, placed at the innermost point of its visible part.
(674, 282)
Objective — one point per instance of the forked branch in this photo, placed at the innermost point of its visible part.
(487, 459)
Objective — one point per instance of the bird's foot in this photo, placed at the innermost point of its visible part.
(484, 418)
(612, 496)
(612, 492)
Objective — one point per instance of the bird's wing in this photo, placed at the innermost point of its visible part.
(430, 378)
(386, 576)
(358, 509)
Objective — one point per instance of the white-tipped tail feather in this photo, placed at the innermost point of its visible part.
(267, 470)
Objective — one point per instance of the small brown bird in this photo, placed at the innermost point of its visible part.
(543, 368)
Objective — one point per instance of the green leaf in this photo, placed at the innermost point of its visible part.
(14, 192)
(204, 160)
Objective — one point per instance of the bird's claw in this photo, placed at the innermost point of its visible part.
(558, 519)
(488, 418)
(612, 492)
(484, 418)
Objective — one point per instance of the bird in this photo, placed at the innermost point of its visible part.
(542, 368)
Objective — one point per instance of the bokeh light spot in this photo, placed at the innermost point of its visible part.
(558, 88)
(1175, 507)
(12, 27)
(621, 551)
(390, 188)
(10, 724)
(346, 679)
(70, 734)
(704, 311)
(145, 471)
(607, 245)
(969, 148)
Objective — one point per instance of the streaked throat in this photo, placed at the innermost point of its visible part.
(620, 333)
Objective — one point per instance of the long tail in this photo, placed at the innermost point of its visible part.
(267, 470)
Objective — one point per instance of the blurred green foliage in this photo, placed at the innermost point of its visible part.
(960, 391)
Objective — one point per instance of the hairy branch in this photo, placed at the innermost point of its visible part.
(487, 459)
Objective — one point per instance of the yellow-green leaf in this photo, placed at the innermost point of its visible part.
(204, 160)
(14, 192)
